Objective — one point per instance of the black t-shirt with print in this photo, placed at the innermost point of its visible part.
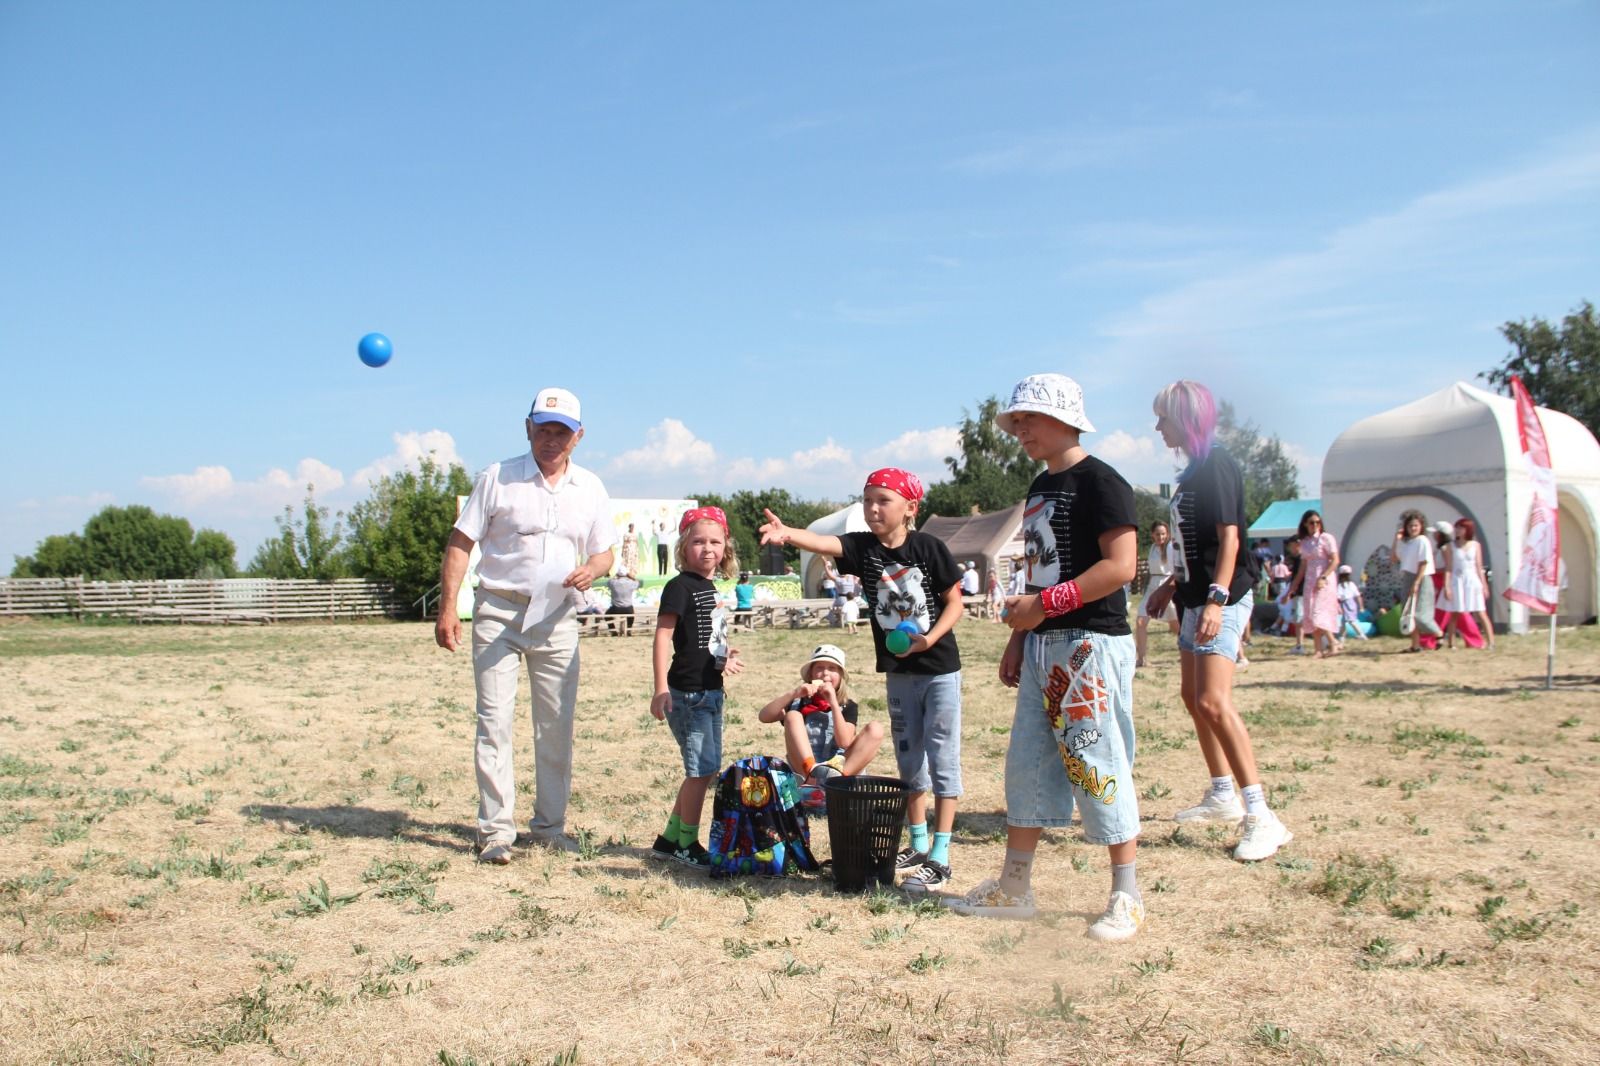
(1211, 495)
(819, 727)
(700, 635)
(908, 582)
(1061, 526)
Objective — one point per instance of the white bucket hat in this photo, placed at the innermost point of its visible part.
(1054, 395)
(825, 653)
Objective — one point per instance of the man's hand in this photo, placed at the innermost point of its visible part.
(1160, 599)
(773, 531)
(660, 704)
(1023, 613)
(579, 579)
(447, 629)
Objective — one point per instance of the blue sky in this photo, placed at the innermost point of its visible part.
(766, 246)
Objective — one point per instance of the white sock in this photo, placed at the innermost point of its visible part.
(1222, 788)
(1255, 799)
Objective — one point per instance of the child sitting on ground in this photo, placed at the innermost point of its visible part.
(820, 737)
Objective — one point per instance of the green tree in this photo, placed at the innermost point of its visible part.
(136, 544)
(745, 517)
(58, 555)
(1269, 473)
(307, 546)
(214, 555)
(1559, 366)
(398, 533)
(992, 472)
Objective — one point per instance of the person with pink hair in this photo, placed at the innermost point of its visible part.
(1214, 580)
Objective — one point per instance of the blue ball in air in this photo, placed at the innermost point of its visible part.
(375, 349)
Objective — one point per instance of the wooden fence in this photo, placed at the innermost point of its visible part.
(232, 600)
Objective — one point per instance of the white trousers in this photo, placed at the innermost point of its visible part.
(550, 649)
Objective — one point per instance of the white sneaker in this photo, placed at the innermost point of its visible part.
(1123, 917)
(988, 901)
(1260, 837)
(1212, 809)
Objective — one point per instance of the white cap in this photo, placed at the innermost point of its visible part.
(1444, 527)
(825, 653)
(556, 405)
(1054, 395)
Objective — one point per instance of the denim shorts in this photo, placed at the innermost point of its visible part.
(1072, 736)
(1226, 642)
(925, 724)
(696, 723)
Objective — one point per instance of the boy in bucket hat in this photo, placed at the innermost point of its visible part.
(820, 734)
(1071, 659)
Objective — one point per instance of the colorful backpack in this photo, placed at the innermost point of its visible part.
(758, 825)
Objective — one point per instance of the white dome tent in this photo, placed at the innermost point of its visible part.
(849, 519)
(1456, 454)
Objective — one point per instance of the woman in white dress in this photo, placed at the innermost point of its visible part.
(1466, 587)
(1160, 570)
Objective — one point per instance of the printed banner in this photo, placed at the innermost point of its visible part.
(1538, 581)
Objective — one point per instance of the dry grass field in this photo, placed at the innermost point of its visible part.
(254, 845)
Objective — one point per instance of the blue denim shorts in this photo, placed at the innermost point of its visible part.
(1072, 736)
(696, 723)
(1226, 642)
(925, 725)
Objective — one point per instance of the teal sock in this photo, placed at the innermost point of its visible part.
(940, 853)
(688, 834)
(919, 838)
(674, 827)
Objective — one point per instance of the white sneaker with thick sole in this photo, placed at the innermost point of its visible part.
(988, 901)
(1122, 919)
(1212, 809)
(1261, 837)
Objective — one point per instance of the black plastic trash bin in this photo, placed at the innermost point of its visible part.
(864, 819)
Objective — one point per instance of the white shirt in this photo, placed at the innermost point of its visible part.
(1416, 555)
(969, 582)
(531, 533)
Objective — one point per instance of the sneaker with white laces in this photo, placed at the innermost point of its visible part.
(1260, 837)
(909, 859)
(1122, 919)
(495, 854)
(1212, 809)
(987, 900)
(927, 877)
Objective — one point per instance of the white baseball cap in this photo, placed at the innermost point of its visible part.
(825, 653)
(1055, 395)
(556, 405)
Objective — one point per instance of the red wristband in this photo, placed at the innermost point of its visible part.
(1061, 599)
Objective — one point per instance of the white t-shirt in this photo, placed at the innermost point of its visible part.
(531, 533)
(1416, 555)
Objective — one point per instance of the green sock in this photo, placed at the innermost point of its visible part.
(919, 837)
(674, 827)
(688, 834)
(940, 852)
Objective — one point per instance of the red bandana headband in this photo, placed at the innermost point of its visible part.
(894, 479)
(702, 514)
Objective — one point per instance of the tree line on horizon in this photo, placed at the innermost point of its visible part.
(397, 533)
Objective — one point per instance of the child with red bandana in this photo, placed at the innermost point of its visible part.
(690, 656)
(908, 577)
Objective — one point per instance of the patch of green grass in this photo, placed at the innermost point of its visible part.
(317, 899)
(1275, 715)
(1350, 880)
(406, 881)
(925, 963)
(1159, 964)
(255, 1016)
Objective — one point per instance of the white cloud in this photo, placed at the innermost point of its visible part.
(670, 446)
(1120, 446)
(410, 449)
(918, 450)
(216, 485)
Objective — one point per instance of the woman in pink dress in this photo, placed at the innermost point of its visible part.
(1319, 562)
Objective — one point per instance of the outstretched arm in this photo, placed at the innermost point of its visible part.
(773, 531)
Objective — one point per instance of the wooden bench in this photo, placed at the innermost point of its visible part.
(616, 625)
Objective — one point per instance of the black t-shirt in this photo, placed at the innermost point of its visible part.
(908, 582)
(1212, 495)
(700, 636)
(1061, 526)
(819, 727)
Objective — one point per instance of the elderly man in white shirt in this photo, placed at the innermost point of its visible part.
(534, 517)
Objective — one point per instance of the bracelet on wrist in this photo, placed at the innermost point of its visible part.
(1061, 599)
